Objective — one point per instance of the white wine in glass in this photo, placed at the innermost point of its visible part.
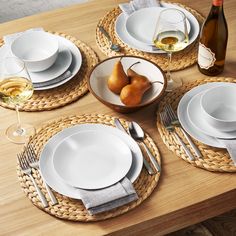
(171, 35)
(15, 89)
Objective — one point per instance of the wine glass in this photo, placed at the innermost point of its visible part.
(171, 35)
(15, 89)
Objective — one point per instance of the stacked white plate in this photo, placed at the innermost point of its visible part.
(89, 156)
(66, 66)
(137, 29)
(191, 117)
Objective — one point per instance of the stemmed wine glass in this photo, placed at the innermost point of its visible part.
(171, 35)
(15, 89)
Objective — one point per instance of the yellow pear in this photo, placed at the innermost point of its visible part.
(118, 79)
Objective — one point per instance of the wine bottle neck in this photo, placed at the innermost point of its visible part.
(217, 3)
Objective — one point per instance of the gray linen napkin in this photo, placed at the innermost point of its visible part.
(135, 5)
(101, 200)
(230, 145)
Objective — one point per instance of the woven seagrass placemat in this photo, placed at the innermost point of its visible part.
(72, 209)
(214, 159)
(180, 60)
(68, 92)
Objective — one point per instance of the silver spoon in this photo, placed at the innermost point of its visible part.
(114, 47)
(137, 133)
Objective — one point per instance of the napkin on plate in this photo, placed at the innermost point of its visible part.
(101, 200)
(230, 145)
(135, 5)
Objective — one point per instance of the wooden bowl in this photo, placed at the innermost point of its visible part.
(97, 82)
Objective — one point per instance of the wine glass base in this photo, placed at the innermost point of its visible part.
(19, 136)
(173, 84)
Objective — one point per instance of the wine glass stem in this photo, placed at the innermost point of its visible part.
(169, 54)
(19, 130)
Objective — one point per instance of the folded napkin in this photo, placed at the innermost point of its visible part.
(101, 200)
(230, 145)
(135, 5)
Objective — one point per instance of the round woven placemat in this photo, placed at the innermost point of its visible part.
(72, 209)
(214, 159)
(68, 92)
(180, 60)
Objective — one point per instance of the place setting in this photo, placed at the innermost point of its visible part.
(205, 110)
(57, 64)
(91, 167)
(131, 29)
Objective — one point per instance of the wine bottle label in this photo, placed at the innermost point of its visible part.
(206, 58)
(217, 3)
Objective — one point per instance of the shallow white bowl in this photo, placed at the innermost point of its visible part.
(37, 49)
(97, 82)
(219, 107)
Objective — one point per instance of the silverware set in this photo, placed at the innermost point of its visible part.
(136, 132)
(28, 161)
(170, 121)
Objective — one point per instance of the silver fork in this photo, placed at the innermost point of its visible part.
(34, 163)
(24, 165)
(175, 122)
(166, 122)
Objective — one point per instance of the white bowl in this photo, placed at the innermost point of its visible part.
(219, 107)
(97, 82)
(37, 49)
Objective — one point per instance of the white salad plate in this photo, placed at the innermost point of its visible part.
(187, 124)
(141, 24)
(46, 158)
(196, 117)
(92, 159)
(61, 64)
(120, 28)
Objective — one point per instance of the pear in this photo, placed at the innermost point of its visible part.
(118, 79)
(132, 94)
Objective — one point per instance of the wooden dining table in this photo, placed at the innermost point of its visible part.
(185, 195)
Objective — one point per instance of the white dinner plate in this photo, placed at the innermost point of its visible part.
(75, 64)
(187, 124)
(141, 24)
(92, 159)
(46, 157)
(124, 36)
(195, 116)
(61, 64)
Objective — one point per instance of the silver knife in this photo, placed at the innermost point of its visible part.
(146, 164)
